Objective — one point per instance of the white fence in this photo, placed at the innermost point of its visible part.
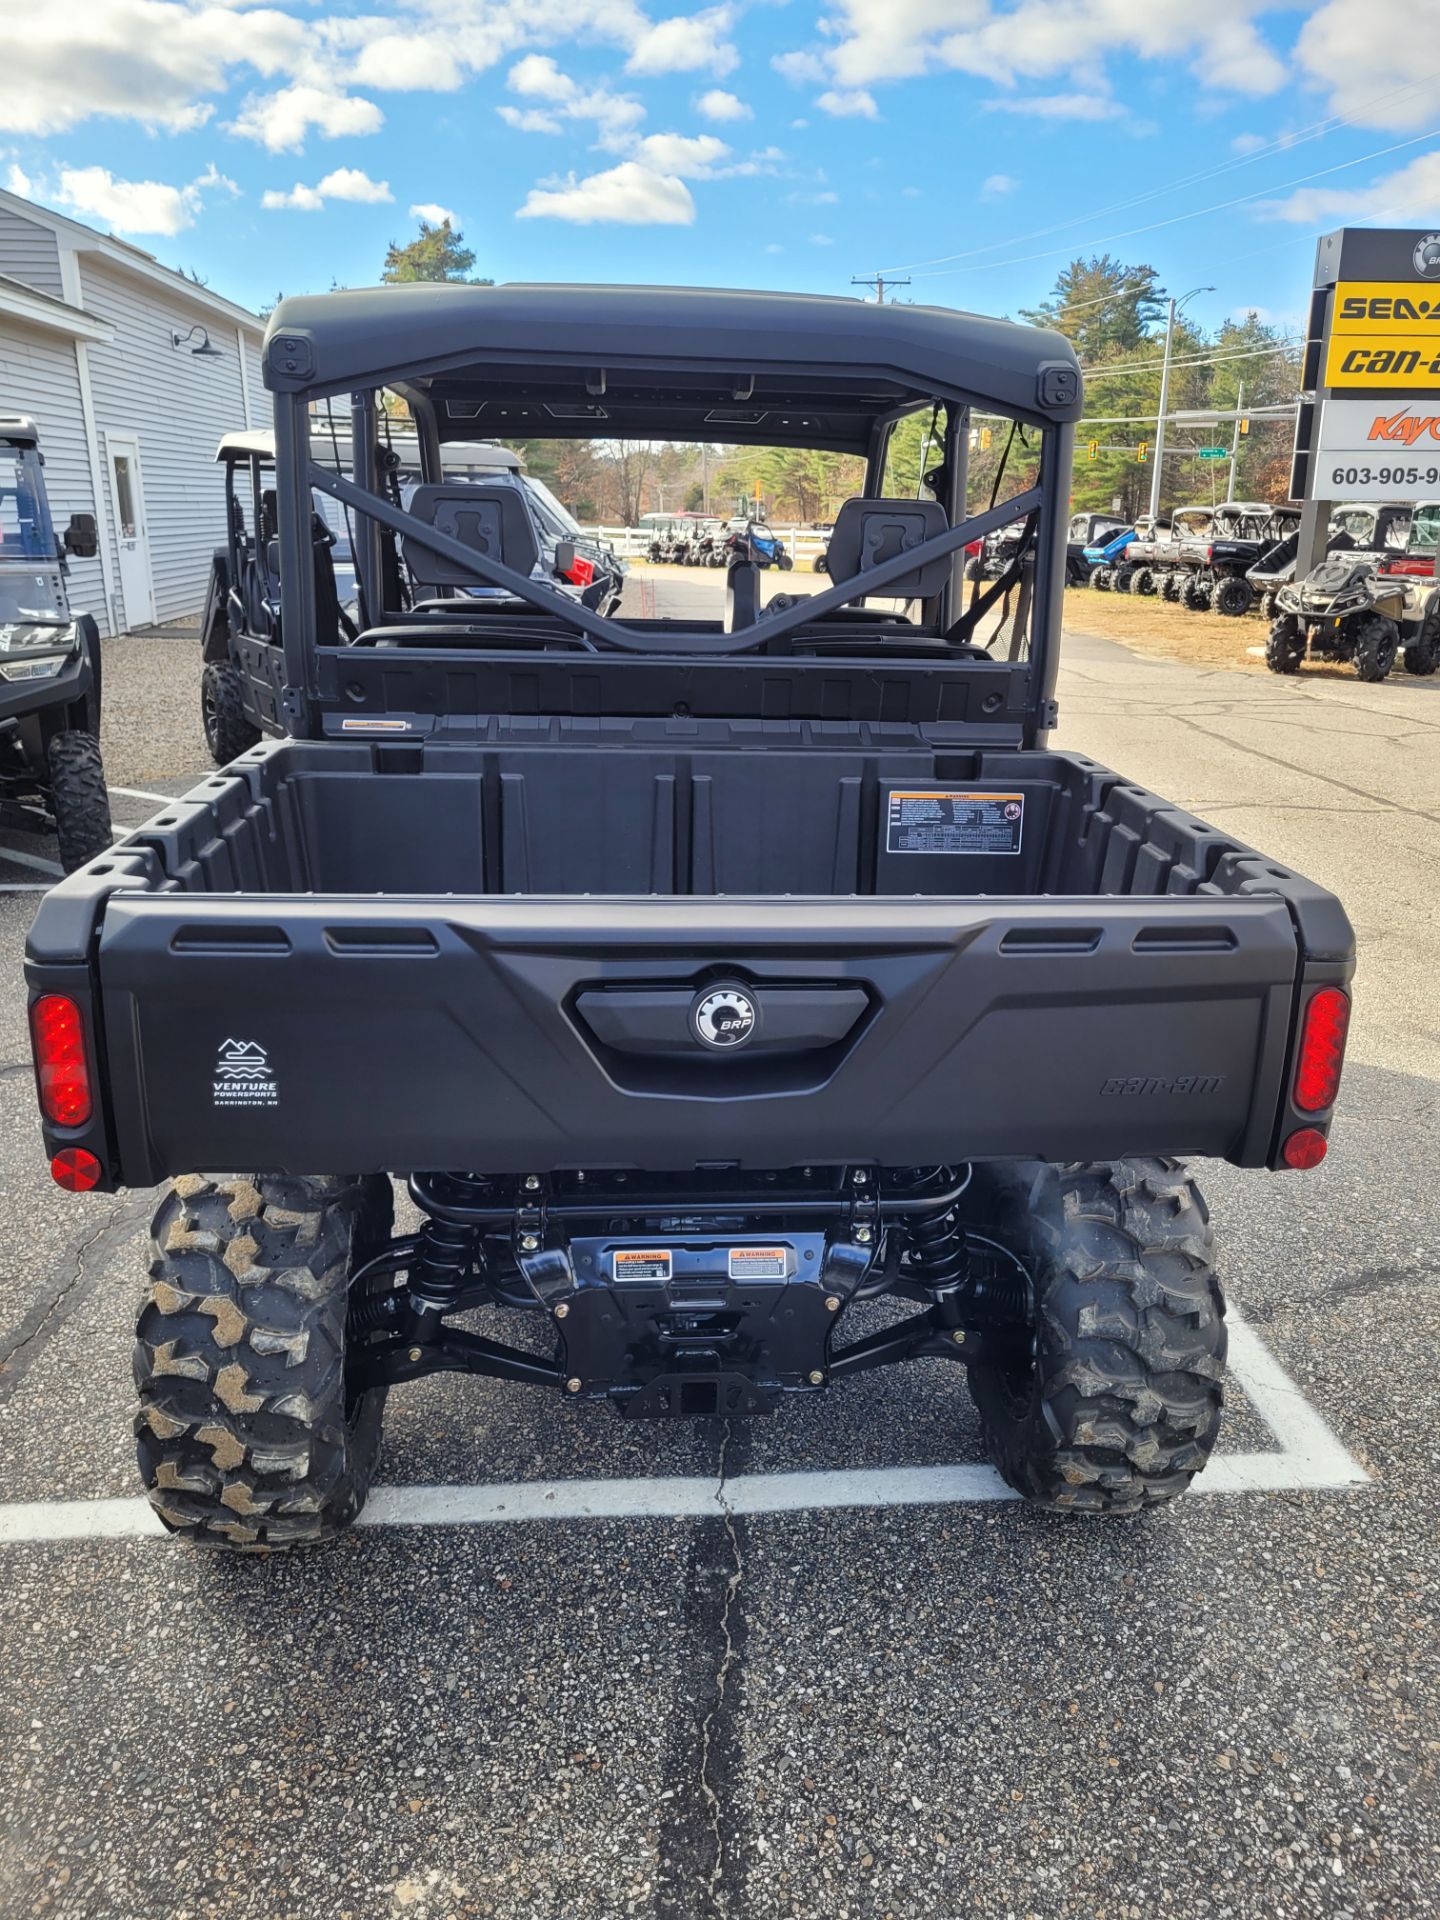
(634, 542)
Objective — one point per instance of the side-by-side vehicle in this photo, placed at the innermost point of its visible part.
(744, 1002)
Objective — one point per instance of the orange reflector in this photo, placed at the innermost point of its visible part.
(76, 1170)
(58, 1034)
(1304, 1149)
(1322, 1050)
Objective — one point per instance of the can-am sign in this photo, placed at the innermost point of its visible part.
(1384, 334)
(1378, 450)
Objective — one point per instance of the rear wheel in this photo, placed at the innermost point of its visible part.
(1123, 578)
(1285, 646)
(1170, 586)
(79, 798)
(1232, 597)
(1268, 604)
(1101, 579)
(1144, 581)
(1377, 640)
(1422, 656)
(229, 732)
(248, 1435)
(1196, 595)
(1116, 1404)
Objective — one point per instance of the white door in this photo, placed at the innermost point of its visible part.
(132, 538)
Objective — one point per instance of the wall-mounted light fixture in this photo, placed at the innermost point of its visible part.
(202, 350)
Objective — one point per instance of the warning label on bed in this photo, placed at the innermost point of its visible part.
(942, 820)
(757, 1263)
(642, 1263)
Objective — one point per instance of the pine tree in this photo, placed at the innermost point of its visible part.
(437, 253)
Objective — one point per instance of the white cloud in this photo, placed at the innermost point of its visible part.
(685, 44)
(345, 183)
(849, 103)
(1248, 143)
(997, 186)
(408, 62)
(801, 67)
(280, 121)
(137, 206)
(433, 214)
(1409, 197)
(1059, 106)
(821, 240)
(537, 77)
(717, 104)
(1358, 52)
(628, 195)
(18, 181)
(823, 199)
(691, 157)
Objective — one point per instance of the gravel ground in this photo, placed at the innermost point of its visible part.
(1227, 1711)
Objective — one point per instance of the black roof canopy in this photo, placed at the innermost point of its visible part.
(689, 363)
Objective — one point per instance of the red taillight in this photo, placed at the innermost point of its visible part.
(59, 1036)
(76, 1170)
(1304, 1149)
(1322, 1050)
(581, 572)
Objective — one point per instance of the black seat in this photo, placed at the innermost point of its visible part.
(868, 532)
(493, 520)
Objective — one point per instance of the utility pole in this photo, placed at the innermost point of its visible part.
(1175, 306)
(879, 282)
(1235, 441)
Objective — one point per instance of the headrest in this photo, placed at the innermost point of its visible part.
(869, 531)
(492, 520)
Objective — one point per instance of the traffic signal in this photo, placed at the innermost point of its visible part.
(1142, 452)
(986, 436)
(1244, 424)
(1094, 449)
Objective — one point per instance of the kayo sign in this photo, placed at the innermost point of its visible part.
(1378, 450)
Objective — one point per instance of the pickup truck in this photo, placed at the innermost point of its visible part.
(704, 980)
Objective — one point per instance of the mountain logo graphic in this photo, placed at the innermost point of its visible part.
(242, 1060)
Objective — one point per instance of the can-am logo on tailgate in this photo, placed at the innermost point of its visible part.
(1176, 1083)
(244, 1076)
(724, 1017)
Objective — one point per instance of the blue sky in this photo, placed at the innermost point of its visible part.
(976, 144)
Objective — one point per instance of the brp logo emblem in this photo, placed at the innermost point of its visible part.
(1427, 257)
(724, 1017)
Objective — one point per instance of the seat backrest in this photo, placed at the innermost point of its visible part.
(868, 532)
(492, 519)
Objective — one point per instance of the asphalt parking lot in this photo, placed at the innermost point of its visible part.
(583, 1668)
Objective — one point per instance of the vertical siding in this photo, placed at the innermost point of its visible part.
(262, 414)
(30, 252)
(38, 377)
(177, 406)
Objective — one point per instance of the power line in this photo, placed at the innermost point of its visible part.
(1198, 360)
(1196, 213)
(879, 282)
(1317, 130)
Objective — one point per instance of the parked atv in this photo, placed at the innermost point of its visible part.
(1241, 534)
(1112, 569)
(760, 545)
(1087, 531)
(1342, 610)
(51, 776)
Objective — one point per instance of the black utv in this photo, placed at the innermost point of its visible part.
(51, 775)
(706, 982)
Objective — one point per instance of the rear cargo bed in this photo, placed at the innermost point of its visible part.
(487, 956)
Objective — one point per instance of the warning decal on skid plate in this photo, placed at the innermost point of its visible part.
(244, 1076)
(758, 1263)
(946, 820)
(642, 1263)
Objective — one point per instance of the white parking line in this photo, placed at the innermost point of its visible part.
(139, 793)
(37, 862)
(1310, 1459)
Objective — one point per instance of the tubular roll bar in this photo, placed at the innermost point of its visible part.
(539, 594)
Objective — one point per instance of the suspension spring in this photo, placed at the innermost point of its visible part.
(444, 1255)
(937, 1245)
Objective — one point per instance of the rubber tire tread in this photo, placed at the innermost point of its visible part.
(1284, 648)
(243, 1432)
(234, 732)
(1125, 1400)
(1232, 597)
(1376, 644)
(79, 797)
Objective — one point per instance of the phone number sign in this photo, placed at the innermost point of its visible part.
(1378, 450)
(1384, 334)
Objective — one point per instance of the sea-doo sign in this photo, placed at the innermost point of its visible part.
(1378, 449)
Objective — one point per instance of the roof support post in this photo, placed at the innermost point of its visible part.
(1057, 447)
(364, 466)
(297, 558)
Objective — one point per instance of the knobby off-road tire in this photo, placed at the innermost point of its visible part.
(1232, 597)
(1123, 579)
(247, 1436)
(1120, 1408)
(228, 731)
(1145, 582)
(1171, 586)
(79, 798)
(1376, 643)
(1285, 645)
(1422, 656)
(1102, 579)
(1196, 596)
